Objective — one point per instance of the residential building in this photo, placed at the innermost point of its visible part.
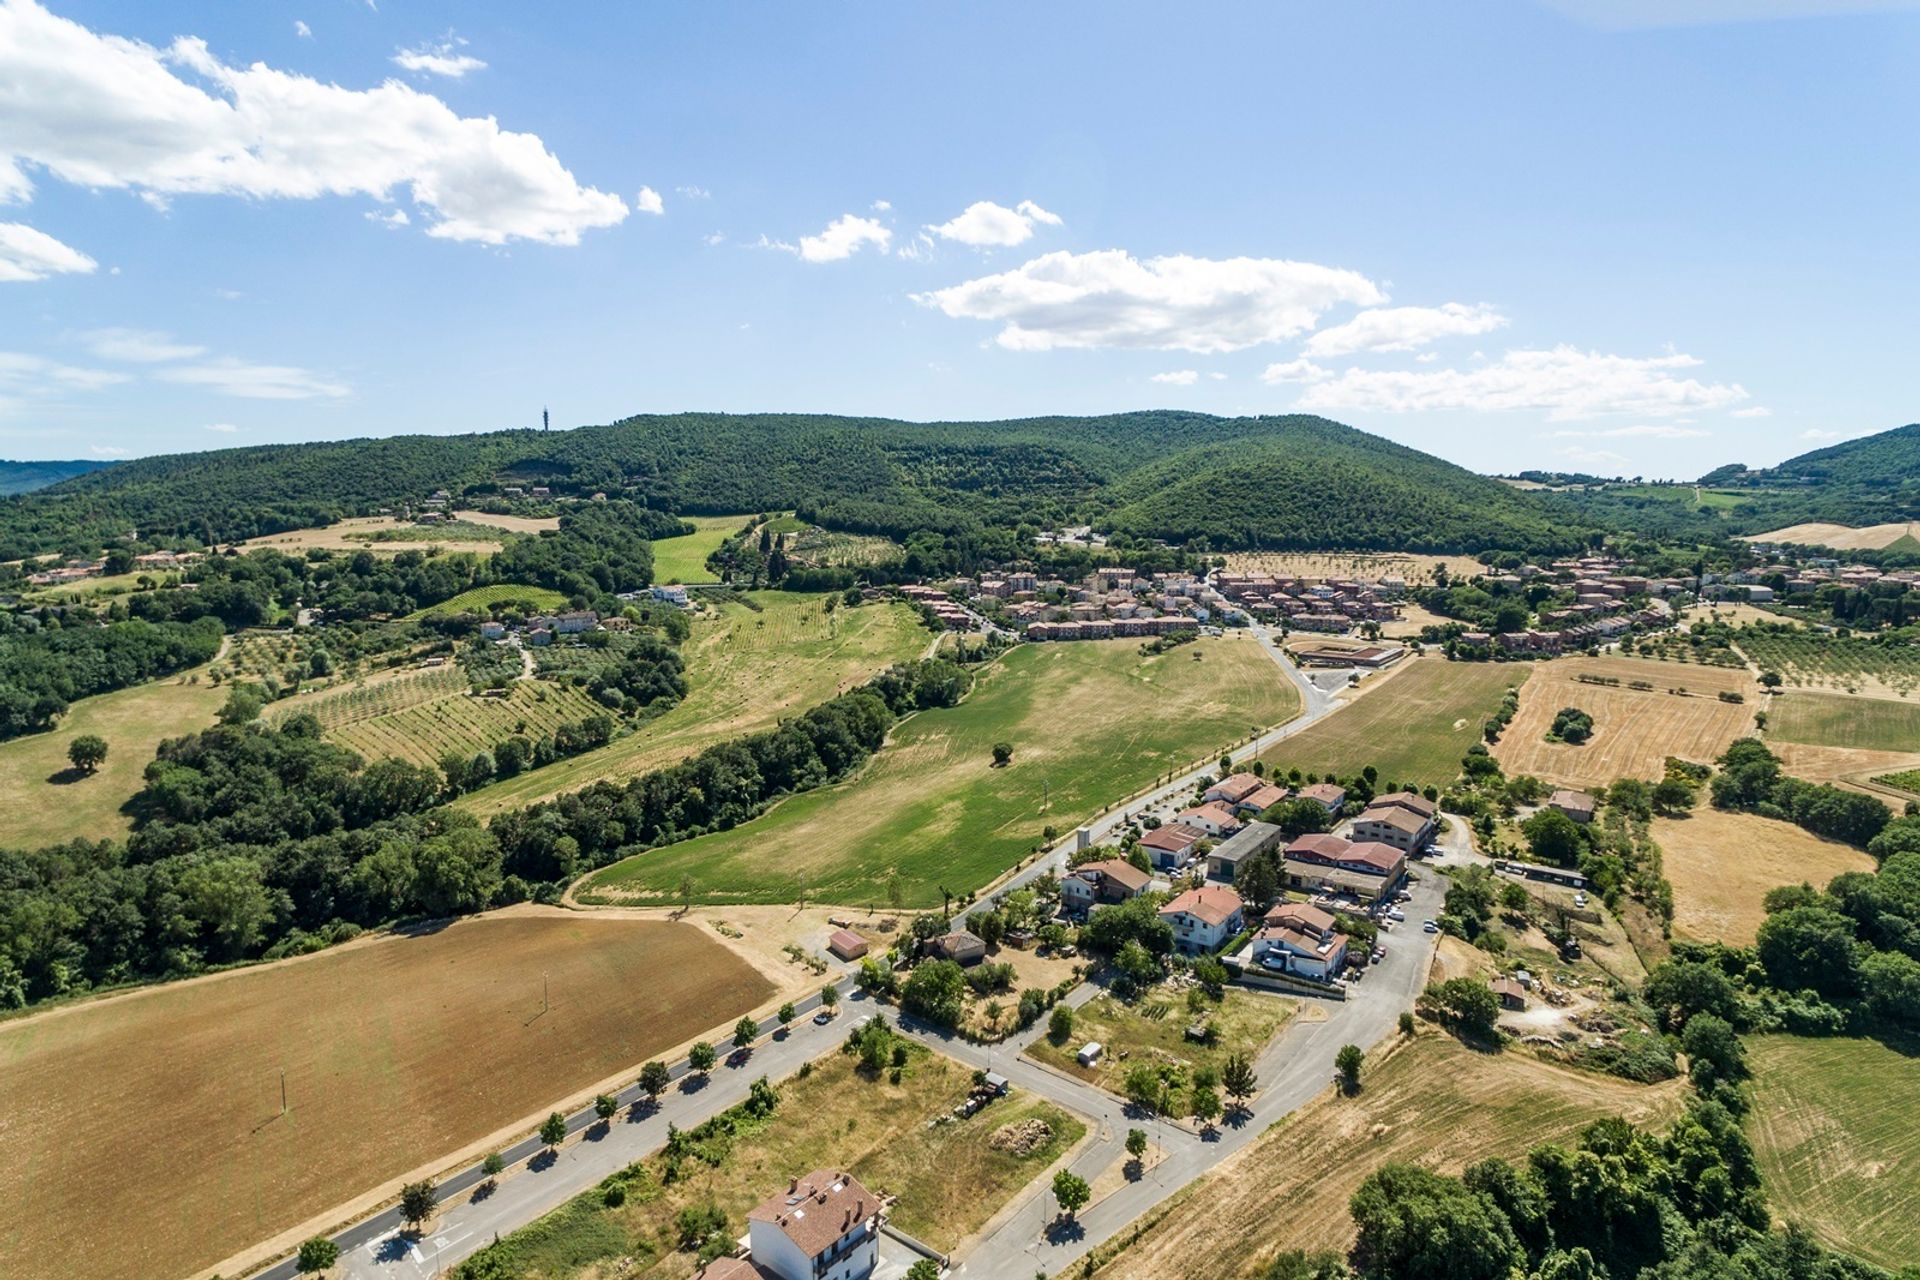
(1253, 839)
(1170, 847)
(1327, 863)
(1328, 795)
(1403, 820)
(1095, 883)
(1577, 805)
(1512, 995)
(671, 594)
(1233, 789)
(1204, 919)
(1307, 939)
(825, 1226)
(1259, 801)
(962, 946)
(1213, 818)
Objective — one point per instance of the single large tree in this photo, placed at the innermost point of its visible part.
(317, 1254)
(654, 1080)
(744, 1032)
(1071, 1191)
(1347, 1063)
(87, 752)
(417, 1200)
(701, 1056)
(553, 1130)
(1237, 1078)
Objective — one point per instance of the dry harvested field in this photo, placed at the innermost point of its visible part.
(1413, 722)
(148, 1126)
(1854, 769)
(1839, 536)
(1428, 1101)
(1838, 1148)
(513, 524)
(355, 535)
(1416, 569)
(1722, 864)
(745, 671)
(1634, 730)
(48, 802)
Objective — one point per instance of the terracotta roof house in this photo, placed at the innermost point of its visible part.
(1107, 881)
(1408, 800)
(1328, 863)
(1260, 800)
(1577, 805)
(825, 1226)
(1203, 919)
(1213, 817)
(1512, 994)
(1301, 940)
(846, 944)
(729, 1269)
(1330, 796)
(961, 946)
(1299, 915)
(1170, 847)
(1398, 825)
(1234, 788)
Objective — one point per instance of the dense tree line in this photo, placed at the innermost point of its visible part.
(48, 660)
(1750, 778)
(256, 841)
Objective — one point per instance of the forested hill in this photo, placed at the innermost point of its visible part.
(1289, 481)
(1866, 481)
(25, 477)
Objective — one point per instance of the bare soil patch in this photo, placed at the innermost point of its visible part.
(1839, 536)
(354, 535)
(163, 1106)
(1722, 864)
(514, 524)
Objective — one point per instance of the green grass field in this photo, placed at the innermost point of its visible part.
(1835, 720)
(1156, 1030)
(1415, 727)
(684, 559)
(1089, 723)
(745, 670)
(47, 802)
(1833, 1127)
(482, 599)
(466, 723)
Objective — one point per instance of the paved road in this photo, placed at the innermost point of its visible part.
(1292, 1071)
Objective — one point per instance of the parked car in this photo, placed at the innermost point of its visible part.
(823, 1017)
(1274, 960)
(1579, 899)
(1396, 914)
(1379, 954)
(1430, 927)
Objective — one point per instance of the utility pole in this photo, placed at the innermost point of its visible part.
(283, 1091)
(546, 422)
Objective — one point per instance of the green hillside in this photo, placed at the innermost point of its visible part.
(1279, 482)
(25, 477)
(1872, 480)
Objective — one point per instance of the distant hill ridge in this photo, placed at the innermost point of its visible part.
(1280, 482)
(25, 477)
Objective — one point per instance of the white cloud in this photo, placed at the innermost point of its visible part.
(842, 238)
(224, 428)
(1109, 298)
(714, 237)
(28, 379)
(139, 346)
(30, 254)
(395, 218)
(1403, 328)
(107, 112)
(883, 206)
(649, 201)
(1564, 382)
(109, 451)
(255, 381)
(695, 193)
(439, 58)
(302, 30)
(1593, 457)
(1753, 411)
(1294, 371)
(985, 224)
(1648, 432)
(1177, 377)
(1815, 433)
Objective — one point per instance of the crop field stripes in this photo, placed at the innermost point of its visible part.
(423, 718)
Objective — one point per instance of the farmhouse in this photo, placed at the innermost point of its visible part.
(1301, 939)
(1094, 883)
(1212, 818)
(1204, 918)
(962, 946)
(1577, 805)
(1512, 994)
(1326, 862)
(1170, 847)
(1403, 820)
(825, 1226)
(1254, 838)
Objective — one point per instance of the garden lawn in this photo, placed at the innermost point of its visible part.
(745, 672)
(1414, 727)
(481, 599)
(949, 1181)
(49, 802)
(1089, 722)
(1836, 1131)
(1154, 1029)
(1836, 720)
(684, 559)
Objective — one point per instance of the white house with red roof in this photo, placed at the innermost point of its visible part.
(824, 1226)
(1204, 919)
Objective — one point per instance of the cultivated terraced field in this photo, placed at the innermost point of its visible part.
(144, 1135)
(745, 670)
(48, 802)
(1090, 722)
(464, 722)
(1415, 724)
(1836, 720)
(1834, 1131)
(1634, 730)
(1722, 864)
(1430, 1102)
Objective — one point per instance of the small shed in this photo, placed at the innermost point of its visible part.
(1512, 994)
(1090, 1052)
(846, 944)
(996, 1084)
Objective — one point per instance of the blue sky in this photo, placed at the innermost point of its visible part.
(1622, 237)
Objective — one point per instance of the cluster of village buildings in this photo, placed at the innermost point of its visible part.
(1810, 574)
(1600, 612)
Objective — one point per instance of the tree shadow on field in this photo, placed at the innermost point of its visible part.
(68, 776)
(393, 1249)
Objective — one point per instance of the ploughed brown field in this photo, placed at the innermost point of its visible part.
(142, 1135)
